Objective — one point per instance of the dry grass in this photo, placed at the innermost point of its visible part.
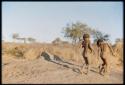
(32, 68)
(66, 51)
(118, 49)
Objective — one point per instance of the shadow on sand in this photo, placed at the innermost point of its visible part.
(57, 60)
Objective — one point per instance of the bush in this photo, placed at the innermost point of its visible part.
(17, 51)
(32, 54)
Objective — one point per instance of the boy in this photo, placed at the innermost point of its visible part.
(104, 50)
(86, 44)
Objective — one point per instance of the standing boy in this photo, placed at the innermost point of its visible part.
(86, 44)
(104, 50)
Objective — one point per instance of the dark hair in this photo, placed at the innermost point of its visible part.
(99, 40)
(86, 36)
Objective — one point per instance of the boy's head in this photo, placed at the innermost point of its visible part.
(99, 42)
(86, 36)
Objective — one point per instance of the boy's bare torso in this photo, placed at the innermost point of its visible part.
(105, 50)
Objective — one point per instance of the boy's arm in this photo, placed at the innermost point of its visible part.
(90, 47)
(81, 44)
(99, 52)
(111, 49)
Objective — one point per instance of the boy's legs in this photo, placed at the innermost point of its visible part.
(103, 66)
(87, 64)
(107, 68)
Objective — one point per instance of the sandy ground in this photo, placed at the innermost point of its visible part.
(48, 70)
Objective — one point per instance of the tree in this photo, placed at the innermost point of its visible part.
(75, 31)
(30, 39)
(118, 40)
(15, 36)
(23, 39)
(99, 35)
(56, 41)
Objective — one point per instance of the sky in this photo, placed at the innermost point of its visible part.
(44, 20)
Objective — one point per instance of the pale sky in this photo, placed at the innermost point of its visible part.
(45, 20)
